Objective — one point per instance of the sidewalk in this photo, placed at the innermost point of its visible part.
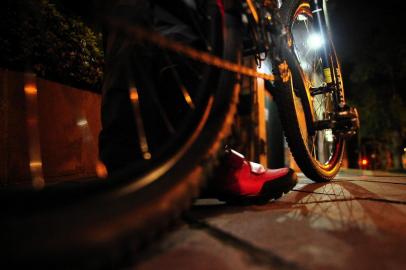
(355, 222)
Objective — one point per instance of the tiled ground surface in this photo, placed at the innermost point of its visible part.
(355, 222)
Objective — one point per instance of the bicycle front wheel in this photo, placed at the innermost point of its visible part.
(308, 107)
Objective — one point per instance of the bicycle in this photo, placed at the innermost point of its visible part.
(181, 133)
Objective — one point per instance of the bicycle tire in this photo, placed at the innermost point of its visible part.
(293, 101)
(110, 220)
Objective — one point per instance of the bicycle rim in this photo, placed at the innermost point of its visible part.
(318, 152)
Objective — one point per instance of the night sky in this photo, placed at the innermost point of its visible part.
(357, 22)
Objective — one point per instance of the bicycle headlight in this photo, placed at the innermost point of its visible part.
(315, 41)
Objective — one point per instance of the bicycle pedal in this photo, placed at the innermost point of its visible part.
(347, 122)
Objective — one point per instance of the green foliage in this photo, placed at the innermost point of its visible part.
(375, 61)
(376, 88)
(35, 36)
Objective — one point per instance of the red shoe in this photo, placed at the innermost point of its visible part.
(243, 181)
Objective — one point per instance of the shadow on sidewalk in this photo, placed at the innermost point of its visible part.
(337, 205)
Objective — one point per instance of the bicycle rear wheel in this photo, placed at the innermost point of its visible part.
(317, 149)
(182, 112)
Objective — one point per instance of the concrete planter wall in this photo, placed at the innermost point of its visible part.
(66, 121)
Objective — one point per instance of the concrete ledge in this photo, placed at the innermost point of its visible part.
(68, 121)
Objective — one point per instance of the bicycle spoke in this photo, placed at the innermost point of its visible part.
(195, 29)
(150, 89)
(312, 146)
(198, 27)
(186, 62)
(181, 85)
(142, 138)
(320, 145)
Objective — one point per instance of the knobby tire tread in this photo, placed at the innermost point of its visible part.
(284, 99)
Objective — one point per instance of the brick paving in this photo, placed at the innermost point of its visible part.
(357, 221)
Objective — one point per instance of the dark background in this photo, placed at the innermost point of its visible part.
(370, 41)
(369, 38)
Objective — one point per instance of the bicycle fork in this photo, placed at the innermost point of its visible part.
(344, 120)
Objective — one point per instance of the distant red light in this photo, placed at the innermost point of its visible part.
(364, 161)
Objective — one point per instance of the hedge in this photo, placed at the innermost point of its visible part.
(37, 37)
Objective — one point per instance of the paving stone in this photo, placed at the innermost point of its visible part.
(196, 249)
(353, 222)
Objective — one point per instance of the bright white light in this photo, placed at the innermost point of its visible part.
(301, 17)
(329, 135)
(315, 41)
(305, 65)
(81, 122)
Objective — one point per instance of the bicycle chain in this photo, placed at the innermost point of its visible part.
(143, 35)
